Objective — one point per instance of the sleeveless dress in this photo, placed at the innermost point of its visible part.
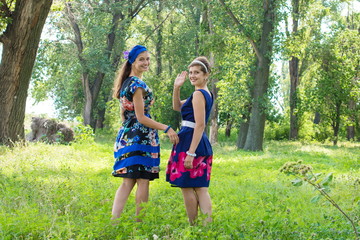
(199, 176)
(137, 148)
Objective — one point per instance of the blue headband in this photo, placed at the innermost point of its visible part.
(135, 52)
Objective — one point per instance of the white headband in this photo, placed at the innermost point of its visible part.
(201, 63)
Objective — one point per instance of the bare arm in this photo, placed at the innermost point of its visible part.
(199, 114)
(140, 115)
(179, 81)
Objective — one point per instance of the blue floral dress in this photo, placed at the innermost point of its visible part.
(137, 148)
(199, 175)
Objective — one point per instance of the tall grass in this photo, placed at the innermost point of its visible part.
(66, 192)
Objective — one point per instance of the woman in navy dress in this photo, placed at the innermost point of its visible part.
(137, 149)
(189, 166)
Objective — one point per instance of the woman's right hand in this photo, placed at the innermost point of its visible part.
(180, 79)
(174, 138)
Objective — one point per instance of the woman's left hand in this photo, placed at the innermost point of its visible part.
(188, 162)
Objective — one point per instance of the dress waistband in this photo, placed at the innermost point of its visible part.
(187, 124)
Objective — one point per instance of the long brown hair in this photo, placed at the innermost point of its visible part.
(124, 73)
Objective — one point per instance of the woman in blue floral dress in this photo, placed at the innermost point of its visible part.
(137, 149)
(190, 162)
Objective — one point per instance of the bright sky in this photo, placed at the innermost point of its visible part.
(44, 107)
(355, 7)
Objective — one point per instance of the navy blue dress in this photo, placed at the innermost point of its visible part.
(137, 148)
(199, 175)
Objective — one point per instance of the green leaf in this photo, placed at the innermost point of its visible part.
(297, 182)
(315, 199)
(326, 181)
(317, 175)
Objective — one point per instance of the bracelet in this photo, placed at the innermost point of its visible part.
(167, 129)
(191, 154)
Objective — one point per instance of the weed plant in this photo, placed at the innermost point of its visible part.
(66, 192)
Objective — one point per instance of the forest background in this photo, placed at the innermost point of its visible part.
(282, 70)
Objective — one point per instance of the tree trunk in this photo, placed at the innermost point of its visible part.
(294, 82)
(20, 43)
(100, 118)
(317, 118)
(357, 128)
(351, 128)
(294, 78)
(214, 127)
(350, 135)
(336, 123)
(208, 27)
(241, 139)
(263, 51)
(159, 41)
(229, 123)
(255, 136)
(17, 115)
(88, 107)
(101, 112)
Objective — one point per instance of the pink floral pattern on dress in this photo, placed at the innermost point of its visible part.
(126, 104)
(176, 169)
(168, 168)
(208, 165)
(198, 167)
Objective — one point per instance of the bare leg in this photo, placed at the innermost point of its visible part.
(191, 204)
(121, 197)
(204, 202)
(142, 195)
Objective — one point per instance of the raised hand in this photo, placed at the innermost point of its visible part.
(180, 79)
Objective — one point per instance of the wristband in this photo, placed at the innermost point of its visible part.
(167, 129)
(190, 154)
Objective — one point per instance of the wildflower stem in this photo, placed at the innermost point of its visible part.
(319, 188)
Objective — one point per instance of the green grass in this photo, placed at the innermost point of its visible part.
(66, 192)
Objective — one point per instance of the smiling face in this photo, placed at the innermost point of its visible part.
(142, 62)
(197, 77)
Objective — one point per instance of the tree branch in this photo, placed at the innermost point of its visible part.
(158, 25)
(75, 27)
(79, 44)
(111, 37)
(241, 28)
(138, 8)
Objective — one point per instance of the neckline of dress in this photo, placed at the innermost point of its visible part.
(135, 77)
